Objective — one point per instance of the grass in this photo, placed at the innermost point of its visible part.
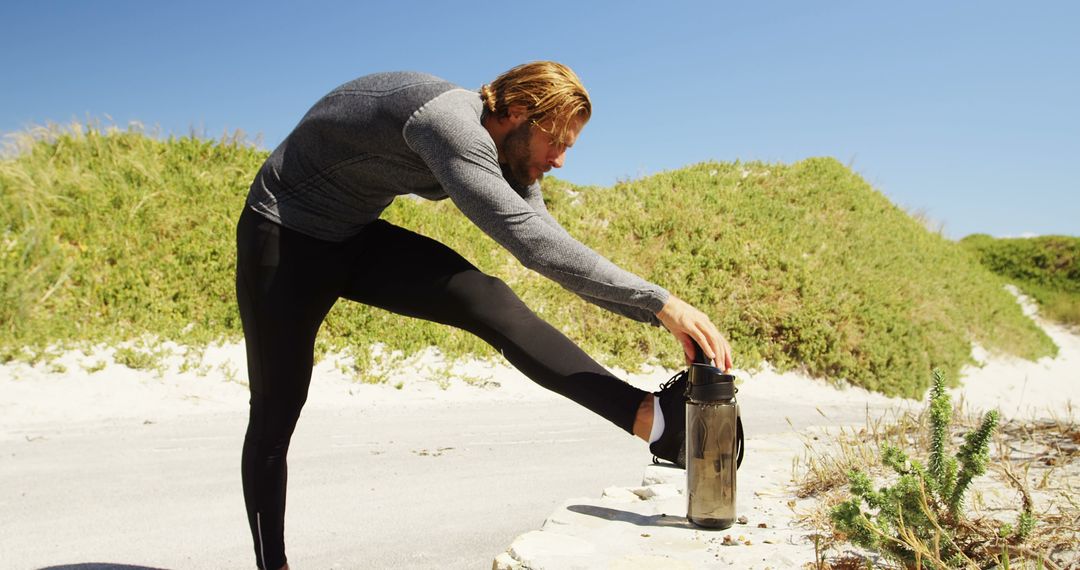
(109, 235)
(1046, 268)
(1033, 468)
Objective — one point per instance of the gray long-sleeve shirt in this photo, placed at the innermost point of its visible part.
(384, 135)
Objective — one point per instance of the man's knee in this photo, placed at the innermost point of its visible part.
(274, 418)
(487, 298)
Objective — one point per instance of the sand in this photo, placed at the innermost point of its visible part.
(86, 387)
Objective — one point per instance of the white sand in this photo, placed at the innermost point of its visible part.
(1019, 388)
(68, 390)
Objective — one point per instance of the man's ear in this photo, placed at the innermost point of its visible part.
(516, 114)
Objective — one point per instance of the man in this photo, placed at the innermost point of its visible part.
(311, 234)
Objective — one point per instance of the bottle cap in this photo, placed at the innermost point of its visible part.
(710, 384)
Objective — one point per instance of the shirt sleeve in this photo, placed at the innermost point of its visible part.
(463, 158)
(535, 199)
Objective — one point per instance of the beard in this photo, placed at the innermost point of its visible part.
(517, 151)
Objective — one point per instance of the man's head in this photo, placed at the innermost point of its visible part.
(535, 112)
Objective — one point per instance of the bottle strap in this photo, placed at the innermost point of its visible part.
(739, 443)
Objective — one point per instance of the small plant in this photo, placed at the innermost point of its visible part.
(96, 366)
(228, 371)
(193, 359)
(138, 359)
(443, 376)
(919, 519)
(368, 368)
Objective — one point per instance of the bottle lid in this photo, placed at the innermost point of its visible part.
(709, 384)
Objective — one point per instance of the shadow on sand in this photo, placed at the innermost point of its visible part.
(663, 520)
(99, 566)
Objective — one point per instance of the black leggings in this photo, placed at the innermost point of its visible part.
(286, 283)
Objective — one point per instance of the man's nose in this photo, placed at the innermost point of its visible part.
(557, 160)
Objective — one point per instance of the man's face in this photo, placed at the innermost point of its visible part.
(530, 151)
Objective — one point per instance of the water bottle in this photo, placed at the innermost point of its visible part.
(714, 444)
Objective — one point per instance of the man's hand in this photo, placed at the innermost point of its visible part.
(686, 323)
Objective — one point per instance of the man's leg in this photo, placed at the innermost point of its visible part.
(286, 283)
(413, 275)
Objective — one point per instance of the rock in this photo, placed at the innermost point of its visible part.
(620, 494)
(649, 562)
(539, 545)
(505, 562)
(658, 491)
(662, 474)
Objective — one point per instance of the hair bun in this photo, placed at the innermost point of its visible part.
(489, 97)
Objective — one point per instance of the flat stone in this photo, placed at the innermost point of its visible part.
(650, 562)
(505, 562)
(620, 494)
(582, 514)
(658, 491)
(539, 550)
(662, 474)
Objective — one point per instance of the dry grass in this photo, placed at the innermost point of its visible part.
(1033, 468)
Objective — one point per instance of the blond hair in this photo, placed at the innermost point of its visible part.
(547, 90)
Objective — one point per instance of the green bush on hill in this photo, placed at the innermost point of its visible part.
(109, 236)
(1047, 268)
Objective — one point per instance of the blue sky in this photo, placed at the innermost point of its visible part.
(967, 111)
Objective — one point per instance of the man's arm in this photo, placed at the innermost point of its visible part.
(534, 198)
(466, 164)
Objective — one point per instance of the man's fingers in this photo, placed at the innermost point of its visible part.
(710, 343)
(718, 343)
(692, 326)
(688, 347)
(706, 337)
(703, 341)
(723, 359)
(723, 350)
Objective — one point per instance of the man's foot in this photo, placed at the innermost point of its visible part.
(671, 446)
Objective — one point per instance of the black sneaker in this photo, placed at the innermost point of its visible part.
(671, 446)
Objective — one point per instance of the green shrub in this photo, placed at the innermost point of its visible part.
(919, 520)
(107, 236)
(1047, 268)
(111, 235)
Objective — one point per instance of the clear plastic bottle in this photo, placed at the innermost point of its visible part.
(714, 445)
